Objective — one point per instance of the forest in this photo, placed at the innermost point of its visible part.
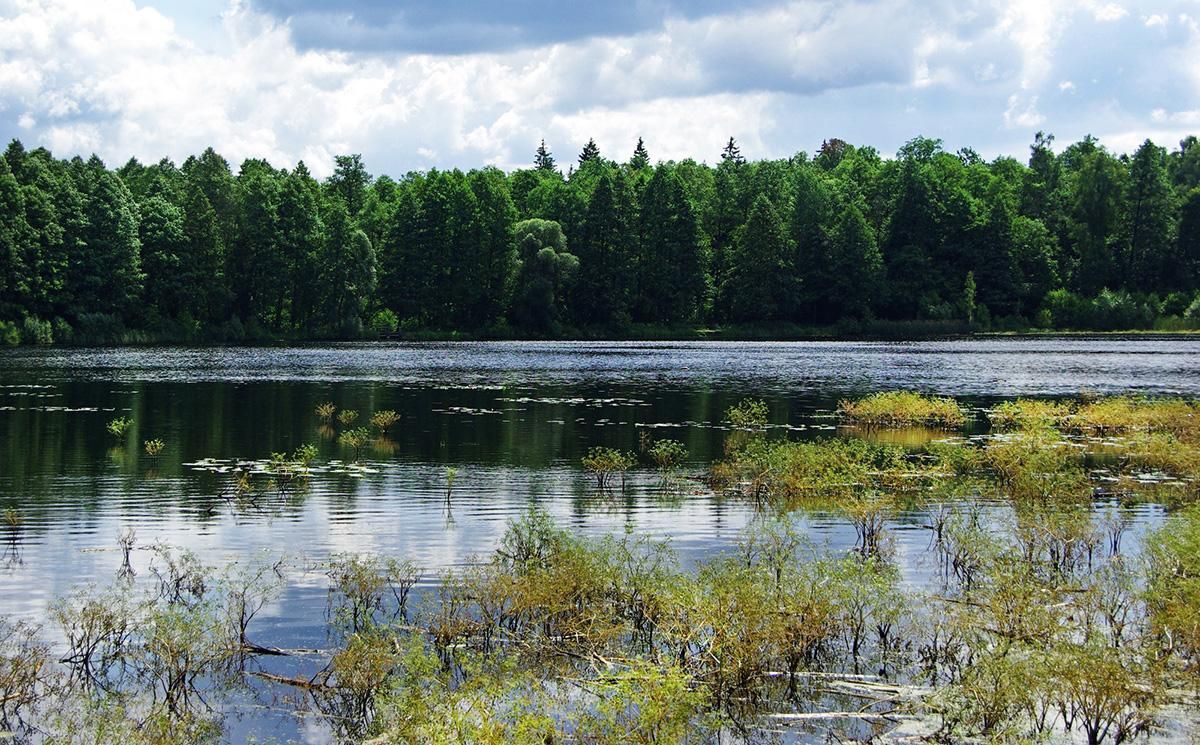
(844, 242)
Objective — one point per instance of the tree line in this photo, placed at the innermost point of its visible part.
(1082, 238)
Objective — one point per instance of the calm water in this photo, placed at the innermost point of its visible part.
(512, 418)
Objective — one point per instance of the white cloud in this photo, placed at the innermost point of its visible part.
(1107, 12)
(1158, 19)
(121, 78)
(1022, 113)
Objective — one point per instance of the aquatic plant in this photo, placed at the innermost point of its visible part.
(119, 426)
(1173, 592)
(384, 420)
(1030, 413)
(347, 417)
(451, 477)
(903, 409)
(357, 439)
(25, 674)
(325, 411)
(12, 519)
(360, 586)
(667, 455)
(603, 463)
(748, 414)
(153, 447)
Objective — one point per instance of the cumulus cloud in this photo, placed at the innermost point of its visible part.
(300, 79)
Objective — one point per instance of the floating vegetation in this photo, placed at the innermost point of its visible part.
(903, 409)
(119, 426)
(153, 447)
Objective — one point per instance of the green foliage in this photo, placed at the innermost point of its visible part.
(749, 414)
(1080, 239)
(604, 463)
(1173, 594)
(119, 426)
(903, 409)
(153, 447)
(384, 420)
(356, 439)
(667, 455)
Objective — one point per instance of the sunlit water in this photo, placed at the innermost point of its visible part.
(512, 418)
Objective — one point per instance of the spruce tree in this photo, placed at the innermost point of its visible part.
(641, 158)
(672, 265)
(591, 151)
(732, 153)
(754, 288)
(543, 160)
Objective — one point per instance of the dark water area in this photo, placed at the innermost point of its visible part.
(512, 418)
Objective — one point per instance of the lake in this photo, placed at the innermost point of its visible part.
(512, 419)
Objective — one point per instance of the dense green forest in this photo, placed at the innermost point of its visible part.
(844, 240)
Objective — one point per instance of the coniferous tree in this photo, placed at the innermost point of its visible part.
(856, 266)
(14, 234)
(44, 257)
(755, 284)
(543, 160)
(1147, 240)
(494, 250)
(107, 277)
(1188, 249)
(257, 270)
(206, 295)
(813, 269)
(349, 182)
(733, 153)
(605, 251)
(641, 158)
(591, 151)
(301, 236)
(672, 264)
(161, 232)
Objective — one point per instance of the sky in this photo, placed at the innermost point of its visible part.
(421, 84)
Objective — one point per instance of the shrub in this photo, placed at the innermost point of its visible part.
(384, 420)
(154, 447)
(667, 454)
(119, 426)
(603, 462)
(357, 439)
(10, 336)
(326, 411)
(36, 331)
(347, 416)
(750, 413)
(384, 322)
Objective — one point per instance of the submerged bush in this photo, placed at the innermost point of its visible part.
(604, 463)
(1173, 594)
(119, 426)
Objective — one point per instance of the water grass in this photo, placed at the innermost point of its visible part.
(1108, 415)
(903, 409)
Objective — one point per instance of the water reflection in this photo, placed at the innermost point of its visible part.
(511, 420)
